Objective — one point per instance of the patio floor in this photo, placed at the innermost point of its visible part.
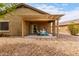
(61, 37)
(40, 37)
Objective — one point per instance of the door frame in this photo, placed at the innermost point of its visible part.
(32, 29)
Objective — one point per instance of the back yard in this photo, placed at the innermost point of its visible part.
(32, 47)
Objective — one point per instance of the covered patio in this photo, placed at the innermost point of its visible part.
(50, 22)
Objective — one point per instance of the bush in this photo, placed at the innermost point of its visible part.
(73, 28)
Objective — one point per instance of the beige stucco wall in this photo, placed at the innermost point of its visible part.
(64, 30)
(14, 24)
(26, 28)
(25, 11)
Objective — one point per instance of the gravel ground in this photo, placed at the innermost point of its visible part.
(68, 37)
(64, 46)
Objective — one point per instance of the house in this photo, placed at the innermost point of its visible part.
(63, 26)
(26, 20)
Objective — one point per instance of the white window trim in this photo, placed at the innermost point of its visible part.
(4, 31)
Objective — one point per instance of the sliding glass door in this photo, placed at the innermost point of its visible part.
(34, 29)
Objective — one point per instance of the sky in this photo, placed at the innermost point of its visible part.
(70, 10)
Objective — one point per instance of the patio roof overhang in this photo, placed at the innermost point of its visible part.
(40, 17)
(44, 17)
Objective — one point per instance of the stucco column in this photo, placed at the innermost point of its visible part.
(54, 33)
(51, 24)
(22, 28)
(57, 28)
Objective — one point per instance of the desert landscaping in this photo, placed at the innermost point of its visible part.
(17, 46)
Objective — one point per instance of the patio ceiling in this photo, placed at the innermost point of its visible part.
(40, 17)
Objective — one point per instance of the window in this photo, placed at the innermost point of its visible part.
(4, 26)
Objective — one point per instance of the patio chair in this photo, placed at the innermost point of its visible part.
(43, 33)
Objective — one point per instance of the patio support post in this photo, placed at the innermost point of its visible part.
(57, 28)
(53, 28)
(22, 29)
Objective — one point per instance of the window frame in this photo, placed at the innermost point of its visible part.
(8, 25)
